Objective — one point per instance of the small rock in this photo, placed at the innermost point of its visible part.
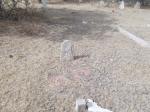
(84, 22)
(10, 56)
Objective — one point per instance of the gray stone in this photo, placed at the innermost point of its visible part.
(80, 105)
(67, 51)
(93, 107)
(44, 3)
(121, 6)
(88, 105)
(102, 3)
(137, 5)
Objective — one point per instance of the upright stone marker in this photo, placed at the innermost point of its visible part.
(67, 53)
(121, 6)
(80, 105)
(102, 3)
(44, 6)
(137, 5)
(44, 3)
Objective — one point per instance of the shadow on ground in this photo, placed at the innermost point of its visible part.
(60, 24)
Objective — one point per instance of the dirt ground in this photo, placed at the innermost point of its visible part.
(108, 67)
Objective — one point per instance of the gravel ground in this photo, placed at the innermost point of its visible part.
(108, 67)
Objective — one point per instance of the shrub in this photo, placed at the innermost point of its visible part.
(9, 8)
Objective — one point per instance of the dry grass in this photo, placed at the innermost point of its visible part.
(27, 24)
(23, 28)
(115, 73)
(33, 29)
